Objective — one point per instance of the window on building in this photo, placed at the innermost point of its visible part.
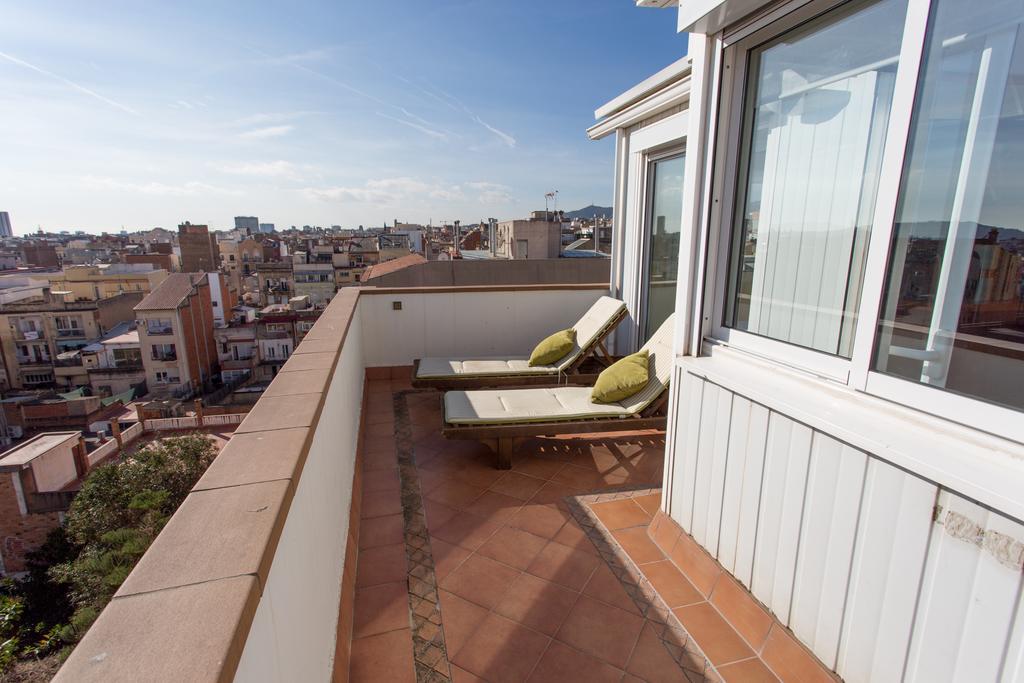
(128, 357)
(663, 226)
(815, 119)
(157, 326)
(953, 312)
(166, 377)
(164, 352)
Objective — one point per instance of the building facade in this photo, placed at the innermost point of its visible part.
(92, 283)
(36, 330)
(198, 247)
(175, 327)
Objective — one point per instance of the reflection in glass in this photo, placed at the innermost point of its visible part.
(816, 111)
(953, 314)
(664, 225)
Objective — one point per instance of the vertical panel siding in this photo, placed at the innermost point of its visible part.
(842, 547)
(892, 537)
(832, 507)
(970, 600)
(782, 500)
(742, 493)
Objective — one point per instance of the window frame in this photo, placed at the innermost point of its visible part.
(659, 139)
(650, 157)
(855, 372)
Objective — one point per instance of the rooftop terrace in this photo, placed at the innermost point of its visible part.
(340, 536)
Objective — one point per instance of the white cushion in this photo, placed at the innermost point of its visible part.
(501, 406)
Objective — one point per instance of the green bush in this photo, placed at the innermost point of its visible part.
(119, 511)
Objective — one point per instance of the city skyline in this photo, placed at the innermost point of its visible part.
(313, 115)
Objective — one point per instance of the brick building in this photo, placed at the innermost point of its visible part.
(199, 252)
(38, 479)
(175, 326)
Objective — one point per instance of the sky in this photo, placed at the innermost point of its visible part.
(142, 114)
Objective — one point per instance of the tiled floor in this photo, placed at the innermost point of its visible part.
(739, 638)
(523, 593)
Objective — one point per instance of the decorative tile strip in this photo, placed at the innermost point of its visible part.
(430, 654)
(690, 658)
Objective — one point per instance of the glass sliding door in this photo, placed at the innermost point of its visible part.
(662, 226)
(814, 122)
(953, 314)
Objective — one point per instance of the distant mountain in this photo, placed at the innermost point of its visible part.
(589, 212)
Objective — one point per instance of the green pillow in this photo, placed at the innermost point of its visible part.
(553, 348)
(621, 379)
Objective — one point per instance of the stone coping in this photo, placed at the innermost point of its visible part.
(457, 289)
(213, 557)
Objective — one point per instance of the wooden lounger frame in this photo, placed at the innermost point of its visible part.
(571, 375)
(501, 438)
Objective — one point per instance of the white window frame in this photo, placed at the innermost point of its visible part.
(659, 140)
(854, 372)
(650, 158)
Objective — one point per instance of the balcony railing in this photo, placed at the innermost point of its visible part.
(165, 357)
(277, 606)
(158, 330)
(71, 333)
(29, 335)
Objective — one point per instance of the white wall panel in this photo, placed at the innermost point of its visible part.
(889, 554)
(835, 481)
(687, 451)
(742, 493)
(842, 546)
(709, 477)
(970, 597)
(778, 531)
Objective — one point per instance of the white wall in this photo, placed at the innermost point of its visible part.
(466, 324)
(293, 634)
(55, 469)
(845, 548)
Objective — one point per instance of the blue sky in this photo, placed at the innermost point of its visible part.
(145, 114)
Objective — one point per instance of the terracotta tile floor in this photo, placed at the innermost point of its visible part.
(522, 591)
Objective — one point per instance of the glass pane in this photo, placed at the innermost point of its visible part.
(953, 315)
(663, 227)
(815, 118)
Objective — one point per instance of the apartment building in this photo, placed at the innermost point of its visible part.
(91, 282)
(35, 330)
(237, 350)
(175, 328)
(534, 238)
(275, 283)
(199, 253)
(315, 280)
(113, 364)
(158, 261)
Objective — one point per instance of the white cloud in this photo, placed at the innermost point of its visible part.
(266, 169)
(388, 191)
(268, 132)
(507, 139)
(491, 193)
(436, 134)
(69, 83)
(188, 189)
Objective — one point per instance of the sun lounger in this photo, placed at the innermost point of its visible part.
(476, 373)
(498, 416)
